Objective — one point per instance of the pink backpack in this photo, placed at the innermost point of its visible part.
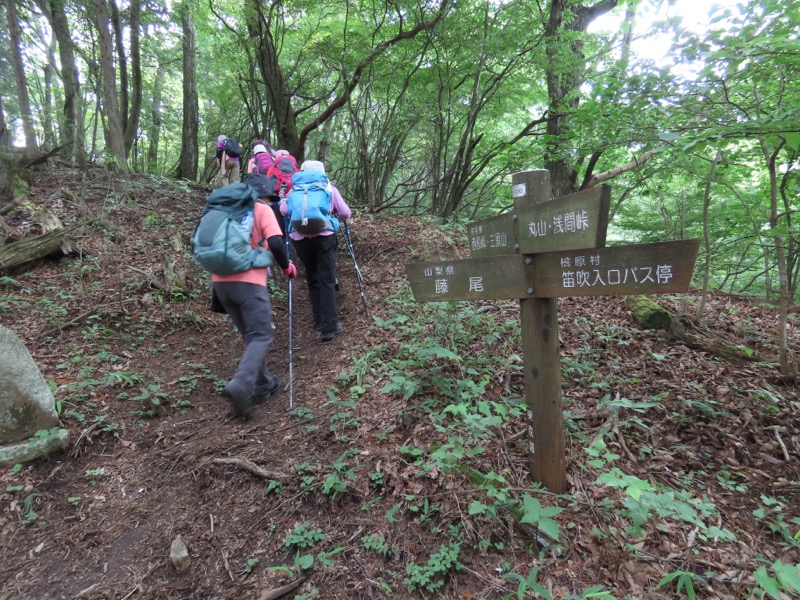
(261, 163)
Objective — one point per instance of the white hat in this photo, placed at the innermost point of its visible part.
(258, 148)
(221, 137)
(312, 165)
(281, 153)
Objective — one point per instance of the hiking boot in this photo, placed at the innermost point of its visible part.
(262, 397)
(242, 404)
(326, 337)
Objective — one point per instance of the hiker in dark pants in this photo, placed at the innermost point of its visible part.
(318, 253)
(245, 298)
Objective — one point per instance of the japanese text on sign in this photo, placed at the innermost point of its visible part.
(561, 223)
(480, 240)
(659, 275)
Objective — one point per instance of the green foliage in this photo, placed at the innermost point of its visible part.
(683, 581)
(528, 583)
(644, 502)
(307, 478)
(304, 536)
(772, 512)
(431, 576)
(250, 565)
(541, 517)
(378, 544)
(778, 579)
(335, 484)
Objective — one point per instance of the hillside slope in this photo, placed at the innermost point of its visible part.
(401, 469)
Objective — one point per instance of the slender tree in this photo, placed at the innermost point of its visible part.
(20, 77)
(132, 115)
(113, 120)
(187, 167)
(73, 134)
(154, 131)
(565, 75)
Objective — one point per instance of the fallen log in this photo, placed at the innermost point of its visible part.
(52, 243)
(678, 333)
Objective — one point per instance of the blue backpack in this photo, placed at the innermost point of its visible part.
(221, 241)
(309, 203)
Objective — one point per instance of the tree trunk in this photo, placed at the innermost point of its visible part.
(114, 131)
(21, 80)
(50, 140)
(187, 167)
(122, 61)
(155, 121)
(788, 368)
(565, 75)
(278, 94)
(259, 26)
(73, 126)
(701, 306)
(5, 136)
(132, 123)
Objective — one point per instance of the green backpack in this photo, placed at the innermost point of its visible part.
(221, 241)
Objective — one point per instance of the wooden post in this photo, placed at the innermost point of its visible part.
(546, 249)
(541, 359)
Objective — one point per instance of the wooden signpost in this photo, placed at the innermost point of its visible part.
(542, 250)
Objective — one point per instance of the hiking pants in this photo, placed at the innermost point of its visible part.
(319, 259)
(250, 309)
(232, 172)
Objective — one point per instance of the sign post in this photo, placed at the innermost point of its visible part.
(542, 250)
(541, 360)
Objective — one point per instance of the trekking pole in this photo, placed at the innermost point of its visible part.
(291, 380)
(349, 243)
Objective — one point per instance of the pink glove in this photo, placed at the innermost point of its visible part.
(290, 271)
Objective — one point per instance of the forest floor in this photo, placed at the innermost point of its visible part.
(401, 469)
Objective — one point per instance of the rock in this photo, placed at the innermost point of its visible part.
(179, 555)
(26, 403)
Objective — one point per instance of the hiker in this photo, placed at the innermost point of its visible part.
(264, 143)
(285, 166)
(261, 161)
(314, 239)
(228, 156)
(244, 297)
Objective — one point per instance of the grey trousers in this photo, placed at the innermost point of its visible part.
(250, 309)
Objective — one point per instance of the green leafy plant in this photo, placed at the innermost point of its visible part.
(335, 483)
(250, 565)
(541, 517)
(684, 582)
(95, 474)
(773, 513)
(378, 544)
(304, 536)
(273, 487)
(528, 583)
(784, 579)
(307, 478)
(431, 576)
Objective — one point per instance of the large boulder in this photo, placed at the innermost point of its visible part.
(26, 403)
